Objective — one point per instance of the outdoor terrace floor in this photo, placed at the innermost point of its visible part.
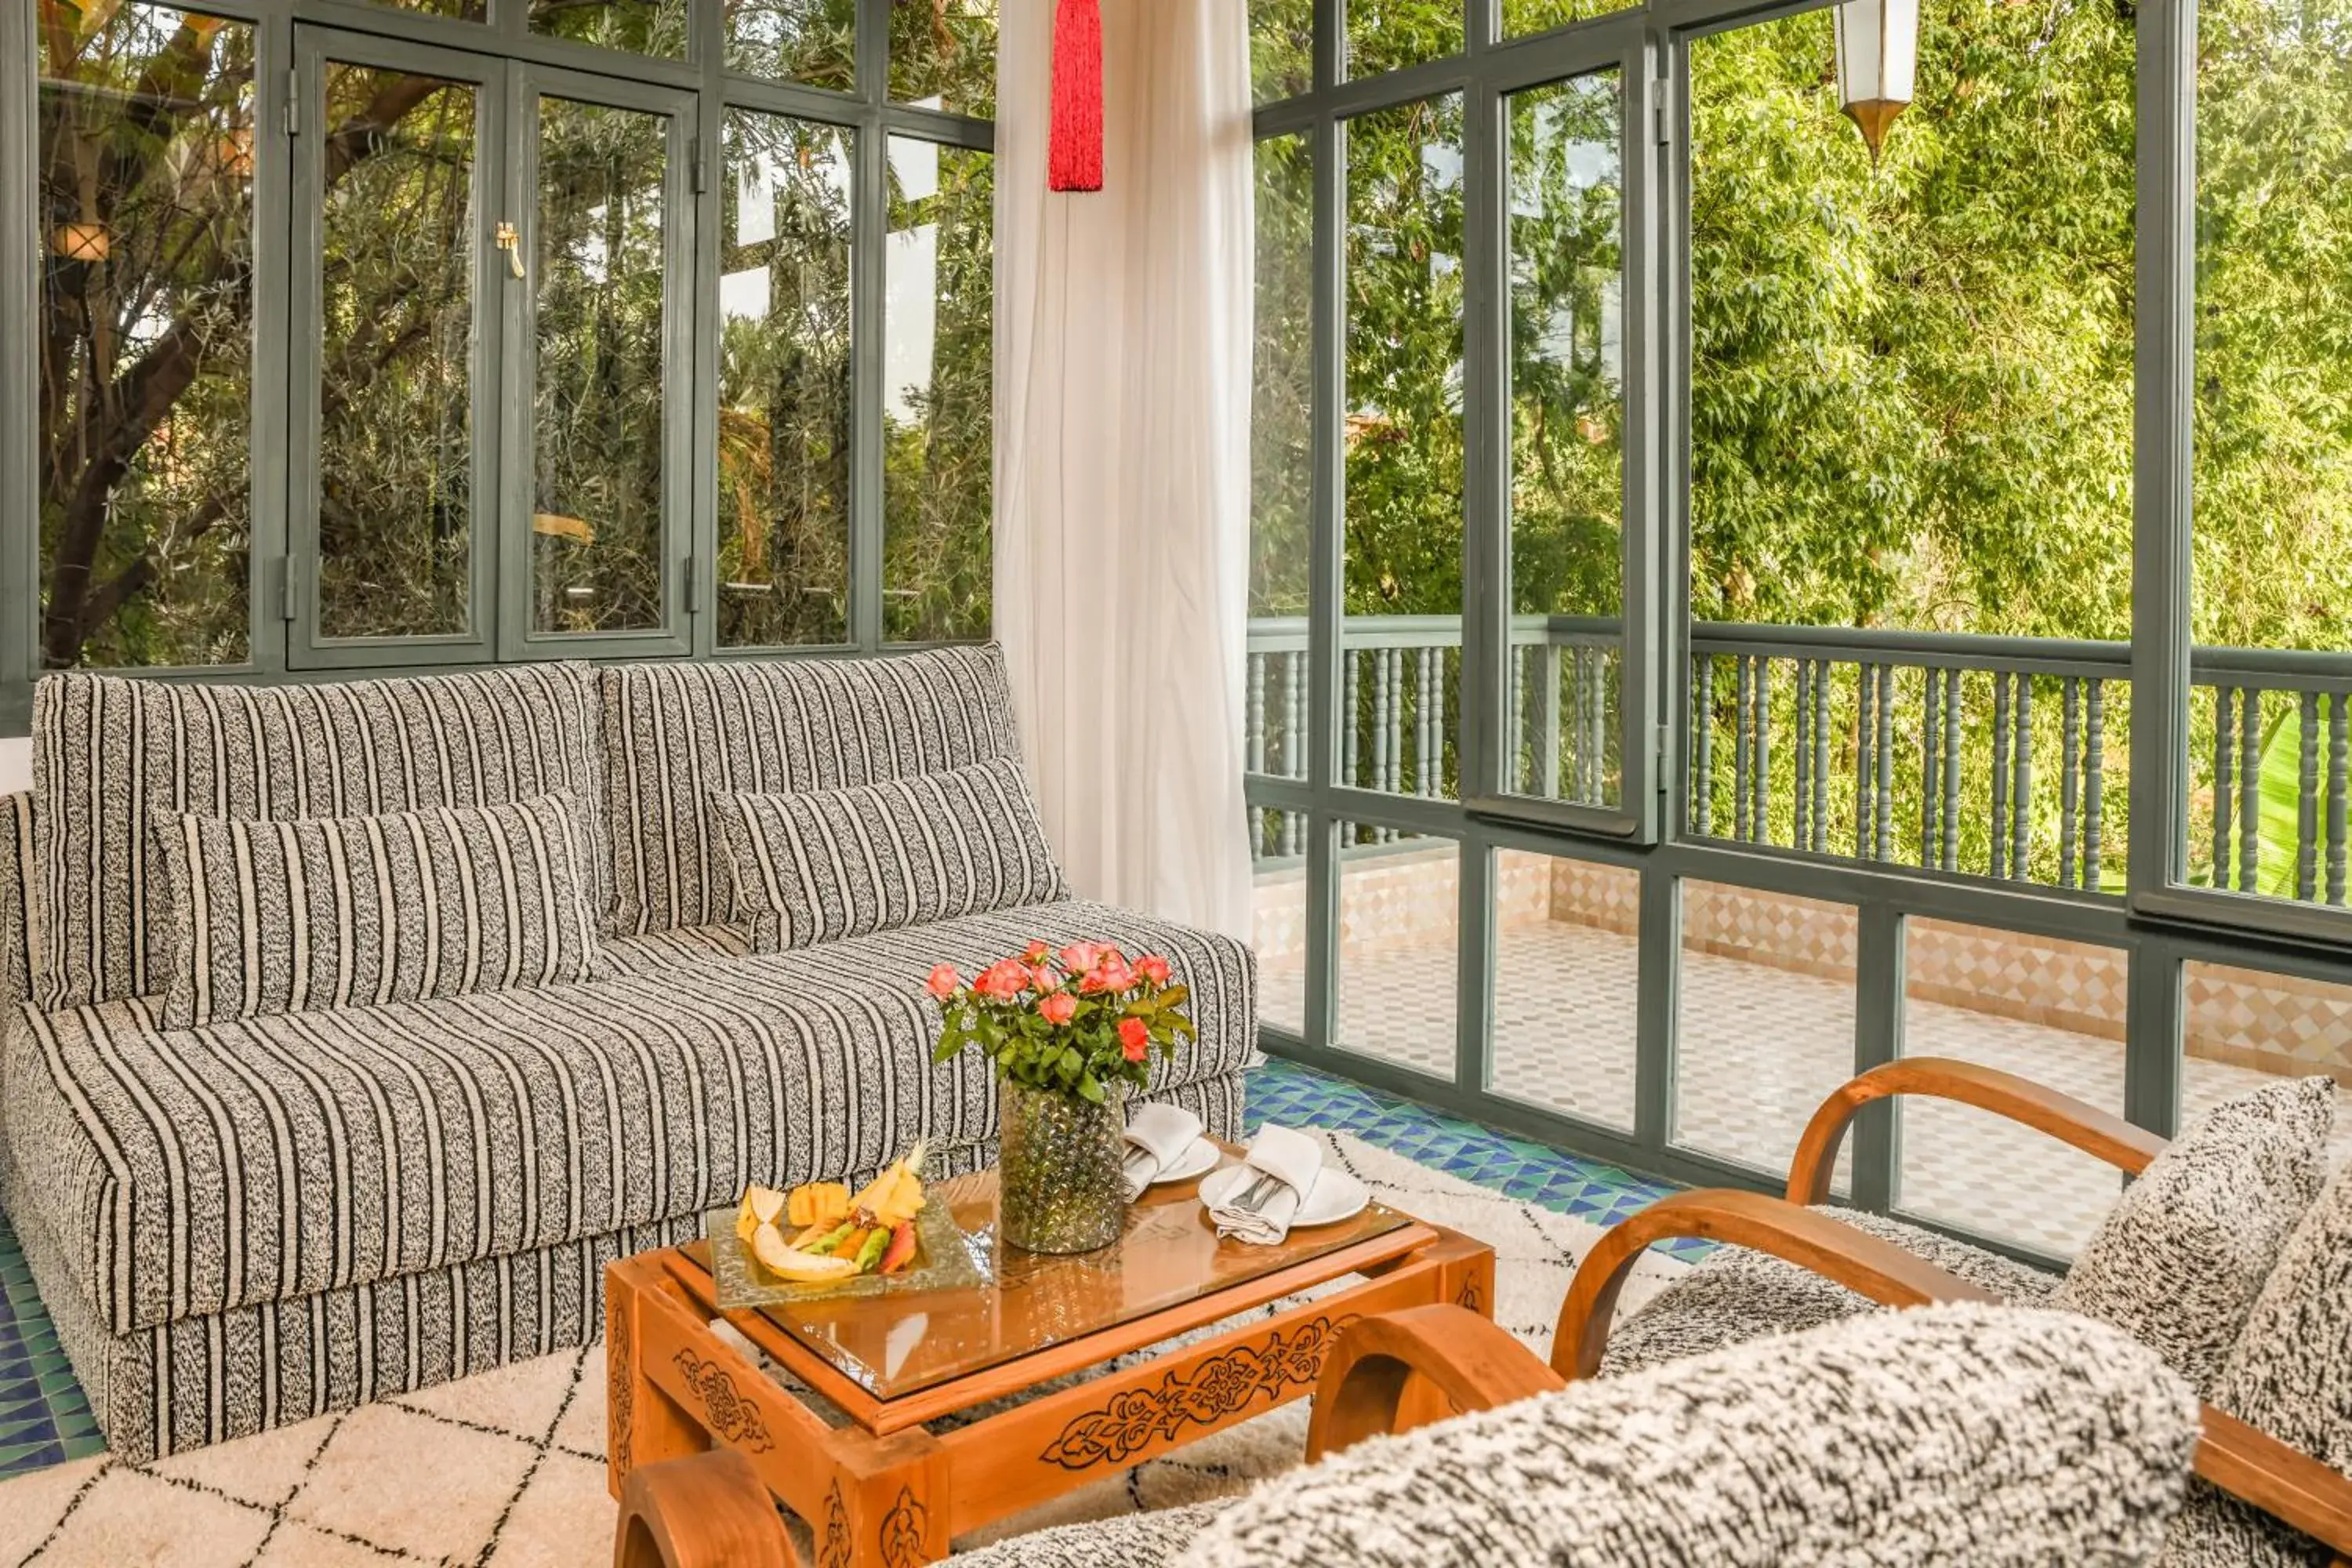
(1759, 1049)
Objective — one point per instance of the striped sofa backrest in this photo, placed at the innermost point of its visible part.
(18, 902)
(674, 734)
(112, 757)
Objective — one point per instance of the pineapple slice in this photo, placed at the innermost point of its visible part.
(818, 1203)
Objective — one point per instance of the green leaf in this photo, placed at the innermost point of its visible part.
(1091, 1089)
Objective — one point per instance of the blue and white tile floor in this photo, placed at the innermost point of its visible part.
(44, 1420)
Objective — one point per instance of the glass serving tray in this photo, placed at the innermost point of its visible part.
(945, 1259)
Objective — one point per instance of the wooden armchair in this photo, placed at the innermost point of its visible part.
(1394, 1372)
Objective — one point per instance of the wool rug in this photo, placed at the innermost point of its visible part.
(508, 1468)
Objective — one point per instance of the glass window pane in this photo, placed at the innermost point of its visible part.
(812, 42)
(783, 383)
(2244, 1028)
(1403, 639)
(1278, 936)
(1524, 17)
(1566, 928)
(2272, 560)
(1911, 410)
(1281, 470)
(1765, 1030)
(465, 10)
(146, 161)
(937, 366)
(1566, 214)
(640, 26)
(1282, 47)
(1388, 34)
(1399, 914)
(2047, 1010)
(396, 505)
(597, 433)
(943, 55)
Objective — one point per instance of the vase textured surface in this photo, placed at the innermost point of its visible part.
(1060, 1186)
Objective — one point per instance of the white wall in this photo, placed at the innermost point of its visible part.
(16, 765)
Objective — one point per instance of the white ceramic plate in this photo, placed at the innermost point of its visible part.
(1337, 1194)
(1199, 1159)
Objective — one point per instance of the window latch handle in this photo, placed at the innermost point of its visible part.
(511, 243)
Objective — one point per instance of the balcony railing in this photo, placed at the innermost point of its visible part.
(1971, 754)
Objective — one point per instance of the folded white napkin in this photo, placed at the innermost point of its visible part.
(1157, 1137)
(1282, 1166)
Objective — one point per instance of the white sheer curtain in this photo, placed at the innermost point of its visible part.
(1122, 454)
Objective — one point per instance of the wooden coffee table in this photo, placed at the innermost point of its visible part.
(883, 1489)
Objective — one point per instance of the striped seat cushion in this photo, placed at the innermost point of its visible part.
(114, 759)
(675, 734)
(839, 863)
(340, 911)
(649, 950)
(17, 902)
(194, 1170)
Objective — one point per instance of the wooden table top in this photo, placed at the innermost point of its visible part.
(1169, 1272)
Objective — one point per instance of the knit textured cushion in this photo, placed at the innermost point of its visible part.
(1984, 1436)
(846, 862)
(1735, 1294)
(342, 912)
(2290, 1375)
(115, 758)
(2179, 1261)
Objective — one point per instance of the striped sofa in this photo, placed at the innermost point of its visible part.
(244, 1222)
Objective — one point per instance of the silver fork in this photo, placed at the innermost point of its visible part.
(1258, 1192)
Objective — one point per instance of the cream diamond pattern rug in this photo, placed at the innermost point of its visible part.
(507, 1469)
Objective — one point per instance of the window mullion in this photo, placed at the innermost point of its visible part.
(869, 225)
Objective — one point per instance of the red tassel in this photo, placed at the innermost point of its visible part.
(1074, 157)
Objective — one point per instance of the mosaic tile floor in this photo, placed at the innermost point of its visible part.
(44, 1420)
(1760, 1049)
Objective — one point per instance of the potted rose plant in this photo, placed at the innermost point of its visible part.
(1070, 1033)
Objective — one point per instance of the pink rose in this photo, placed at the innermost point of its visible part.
(1104, 978)
(1043, 979)
(1058, 1008)
(1134, 1039)
(1035, 954)
(943, 981)
(1079, 957)
(1003, 979)
(1152, 968)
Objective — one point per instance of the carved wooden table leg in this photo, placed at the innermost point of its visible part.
(643, 1425)
(886, 1504)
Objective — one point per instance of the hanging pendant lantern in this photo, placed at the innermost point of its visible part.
(1877, 56)
(1074, 156)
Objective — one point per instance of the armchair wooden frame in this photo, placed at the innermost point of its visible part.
(1392, 1372)
(1380, 1374)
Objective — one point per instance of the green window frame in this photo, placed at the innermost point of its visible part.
(688, 83)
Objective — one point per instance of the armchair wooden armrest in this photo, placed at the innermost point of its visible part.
(2096, 1133)
(1878, 1269)
(706, 1510)
(2246, 1463)
(1396, 1371)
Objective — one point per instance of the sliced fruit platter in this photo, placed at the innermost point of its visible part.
(820, 1239)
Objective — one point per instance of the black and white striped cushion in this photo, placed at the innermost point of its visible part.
(189, 1171)
(18, 902)
(676, 734)
(344, 912)
(844, 862)
(115, 758)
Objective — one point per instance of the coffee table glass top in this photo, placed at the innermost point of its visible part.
(899, 1344)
